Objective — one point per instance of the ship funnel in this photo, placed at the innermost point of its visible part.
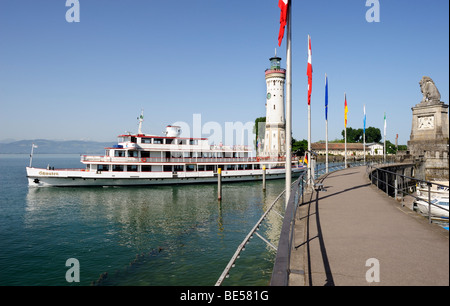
(173, 131)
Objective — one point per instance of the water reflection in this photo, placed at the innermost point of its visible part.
(170, 235)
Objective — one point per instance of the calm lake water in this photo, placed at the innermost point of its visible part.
(168, 235)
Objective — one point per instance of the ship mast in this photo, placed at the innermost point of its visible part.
(141, 119)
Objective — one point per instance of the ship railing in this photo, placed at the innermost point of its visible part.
(110, 159)
(231, 148)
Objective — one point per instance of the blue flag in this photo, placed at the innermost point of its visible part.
(326, 97)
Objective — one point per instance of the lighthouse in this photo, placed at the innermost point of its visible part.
(275, 134)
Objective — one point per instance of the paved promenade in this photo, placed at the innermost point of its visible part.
(337, 231)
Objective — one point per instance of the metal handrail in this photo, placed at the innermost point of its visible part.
(281, 269)
(280, 273)
(245, 241)
(404, 190)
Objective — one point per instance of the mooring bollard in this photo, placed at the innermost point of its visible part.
(264, 178)
(219, 184)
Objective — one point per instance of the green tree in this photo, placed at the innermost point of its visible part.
(299, 147)
(390, 148)
(373, 135)
(256, 126)
(353, 135)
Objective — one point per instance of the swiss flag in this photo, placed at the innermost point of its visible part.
(309, 71)
(283, 5)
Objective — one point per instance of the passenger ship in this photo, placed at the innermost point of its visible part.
(141, 159)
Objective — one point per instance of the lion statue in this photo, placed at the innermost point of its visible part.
(429, 90)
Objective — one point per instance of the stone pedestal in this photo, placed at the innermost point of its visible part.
(429, 140)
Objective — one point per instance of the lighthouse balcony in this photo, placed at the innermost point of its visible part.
(280, 70)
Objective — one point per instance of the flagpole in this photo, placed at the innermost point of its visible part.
(384, 149)
(288, 166)
(345, 133)
(345, 163)
(326, 123)
(310, 178)
(364, 135)
(31, 155)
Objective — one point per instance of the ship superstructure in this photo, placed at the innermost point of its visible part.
(141, 159)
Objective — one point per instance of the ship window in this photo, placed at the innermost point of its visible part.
(178, 168)
(157, 141)
(103, 167)
(132, 153)
(169, 141)
(182, 141)
(201, 167)
(132, 168)
(190, 167)
(146, 168)
(193, 142)
(119, 153)
(117, 168)
(146, 140)
(145, 154)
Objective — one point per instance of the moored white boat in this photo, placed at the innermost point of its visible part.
(141, 159)
(439, 207)
(437, 189)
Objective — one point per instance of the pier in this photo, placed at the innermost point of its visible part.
(347, 232)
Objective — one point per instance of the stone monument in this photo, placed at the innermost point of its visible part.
(429, 138)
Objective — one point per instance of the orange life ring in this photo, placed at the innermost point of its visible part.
(258, 159)
(143, 159)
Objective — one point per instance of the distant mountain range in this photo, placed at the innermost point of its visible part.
(55, 147)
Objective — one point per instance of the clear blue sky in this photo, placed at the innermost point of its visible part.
(89, 80)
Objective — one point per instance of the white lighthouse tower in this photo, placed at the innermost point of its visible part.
(275, 134)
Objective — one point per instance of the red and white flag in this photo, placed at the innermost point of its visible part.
(309, 71)
(283, 5)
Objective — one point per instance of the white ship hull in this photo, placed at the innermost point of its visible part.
(79, 178)
(141, 160)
